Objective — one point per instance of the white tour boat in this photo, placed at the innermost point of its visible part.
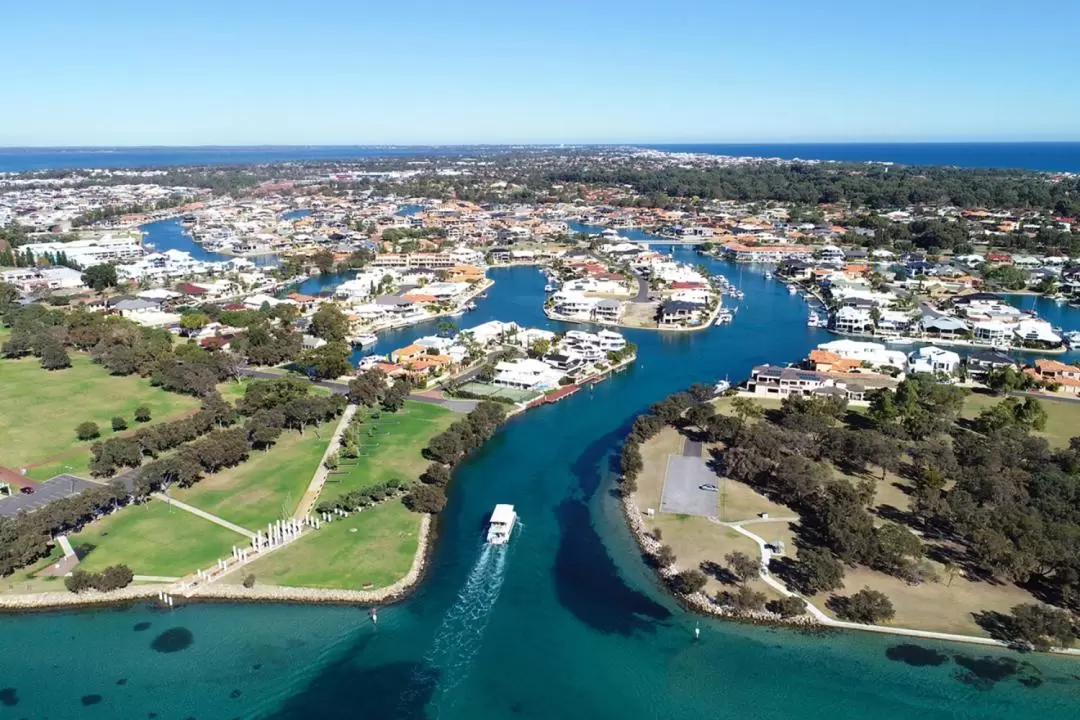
(502, 523)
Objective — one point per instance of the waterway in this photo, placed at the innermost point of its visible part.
(566, 622)
(169, 234)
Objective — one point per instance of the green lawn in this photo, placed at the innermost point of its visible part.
(1062, 416)
(42, 408)
(392, 450)
(266, 487)
(155, 539)
(232, 390)
(369, 549)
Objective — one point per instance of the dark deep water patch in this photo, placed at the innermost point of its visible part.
(986, 671)
(173, 640)
(235, 693)
(88, 700)
(140, 627)
(122, 681)
(398, 690)
(916, 655)
(9, 697)
(588, 584)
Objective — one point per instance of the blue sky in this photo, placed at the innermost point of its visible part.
(359, 72)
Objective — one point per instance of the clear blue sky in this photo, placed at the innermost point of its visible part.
(106, 72)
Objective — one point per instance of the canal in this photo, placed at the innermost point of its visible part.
(567, 622)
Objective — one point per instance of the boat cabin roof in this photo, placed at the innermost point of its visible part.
(503, 514)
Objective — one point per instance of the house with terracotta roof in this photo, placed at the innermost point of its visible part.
(1057, 372)
(405, 355)
(827, 361)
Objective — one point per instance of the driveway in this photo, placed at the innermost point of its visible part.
(55, 488)
(642, 290)
(682, 487)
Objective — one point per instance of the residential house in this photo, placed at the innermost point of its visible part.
(933, 360)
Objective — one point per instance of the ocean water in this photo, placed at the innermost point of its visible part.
(566, 622)
(1049, 156)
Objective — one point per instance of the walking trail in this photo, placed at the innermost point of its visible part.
(311, 496)
(205, 515)
(821, 617)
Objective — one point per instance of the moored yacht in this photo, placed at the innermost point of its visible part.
(364, 340)
(503, 519)
(814, 320)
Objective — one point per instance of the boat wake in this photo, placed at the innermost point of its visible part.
(459, 636)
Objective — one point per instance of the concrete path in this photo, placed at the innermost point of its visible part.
(311, 495)
(155, 578)
(205, 515)
(821, 617)
(65, 545)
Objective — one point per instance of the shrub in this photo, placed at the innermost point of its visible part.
(142, 414)
(426, 499)
(249, 581)
(865, 606)
(787, 607)
(111, 578)
(688, 582)
(87, 431)
(118, 424)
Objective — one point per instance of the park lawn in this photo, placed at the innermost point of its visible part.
(1062, 416)
(34, 578)
(396, 454)
(369, 549)
(154, 539)
(42, 408)
(944, 606)
(268, 486)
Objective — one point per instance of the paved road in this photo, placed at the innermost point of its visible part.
(642, 290)
(58, 487)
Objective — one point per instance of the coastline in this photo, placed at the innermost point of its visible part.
(814, 617)
(31, 602)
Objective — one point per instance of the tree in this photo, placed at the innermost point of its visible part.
(744, 600)
(665, 556)
(9, 295)
(540, 347)
(1003, 380)
(745, 408)
(787, 607)
(817, 570)
(394, 398)
(866, 606)
(742, 566)
(324, 260)
(100, 277)
(118, 424)
(699, 415)
(329, 323)
(446, 327)
(194, 321)
(142, 414)
(436, 474)
(1041, 626)
(368, 388)
(688, 582)
(327, 362)
(54, 356)
(425, 498)
(87, 431)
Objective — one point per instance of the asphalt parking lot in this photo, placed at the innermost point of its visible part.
(55, 488)
(682, 487)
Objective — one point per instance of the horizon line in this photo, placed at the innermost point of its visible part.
(778, 143)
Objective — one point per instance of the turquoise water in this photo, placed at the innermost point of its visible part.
(566, 622)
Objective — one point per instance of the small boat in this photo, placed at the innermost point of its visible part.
(483, 296)
(768, 275)
(724, 317)
(792, 290)
(1072, 339)
(470, 306)
(1061, 299)
(722, 387)
(550, 288)
(364, 340)
(814, 320)
(503, 519)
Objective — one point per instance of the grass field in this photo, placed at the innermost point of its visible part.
(1062, 416)
(154, 539)
(493, 391)
(392, 450)
(369, 549)
(266, 487)
(232, 390)
(42, 408)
